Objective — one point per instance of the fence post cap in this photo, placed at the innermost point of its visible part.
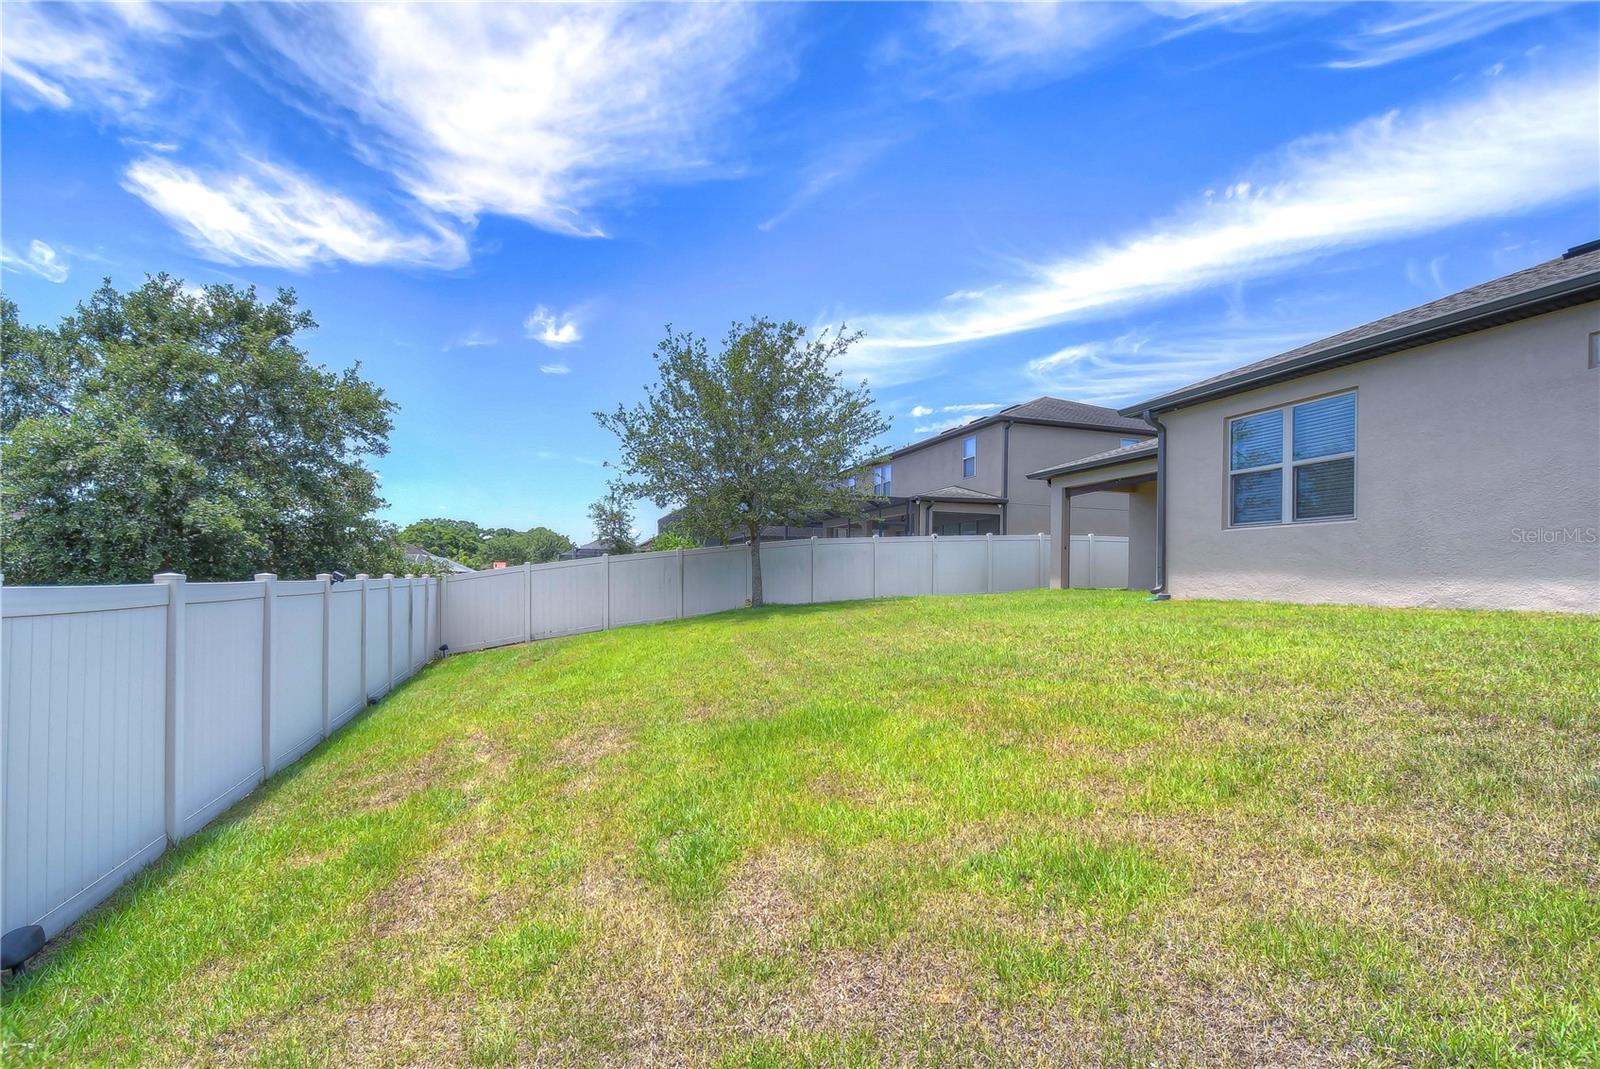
(388, 575)
(326, 577)
(363, 575)
(262, 577)
(168, 577)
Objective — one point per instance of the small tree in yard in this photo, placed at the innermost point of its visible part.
(613, 521)
(763, 434)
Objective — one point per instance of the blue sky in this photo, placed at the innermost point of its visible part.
(497, 210)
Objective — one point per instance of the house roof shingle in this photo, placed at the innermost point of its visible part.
(1051, 411)
(957, 493)
(1099, 460)
(1555, 284)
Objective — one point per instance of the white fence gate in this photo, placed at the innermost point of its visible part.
(531, 601)
(133, 715)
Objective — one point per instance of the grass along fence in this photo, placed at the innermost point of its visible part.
(510, 605)
(134, 715)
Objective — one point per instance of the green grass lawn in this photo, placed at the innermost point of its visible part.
(1047, 828)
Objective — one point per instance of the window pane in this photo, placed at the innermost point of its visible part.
(1325, 490)
(1255, 441)
(969, 467)
(1323, 428)
(969, 448)
(1258, 497)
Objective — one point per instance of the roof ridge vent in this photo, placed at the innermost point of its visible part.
(1579, 250)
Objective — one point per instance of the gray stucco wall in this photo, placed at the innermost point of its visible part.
(1477, 481)
(1142, 537)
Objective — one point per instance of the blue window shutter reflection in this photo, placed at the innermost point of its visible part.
(1258, 497)
(1326, 427)
(1255, 441)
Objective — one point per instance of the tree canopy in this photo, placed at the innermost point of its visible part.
(612, 516)
(167, 429)
(477, 547)
(765, 433)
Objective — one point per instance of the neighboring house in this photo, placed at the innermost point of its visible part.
(1447, 455)
(588, 549)
(972, 479)
(418, 555)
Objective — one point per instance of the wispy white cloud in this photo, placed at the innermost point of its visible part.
(555, 369)
(1512, 149)
(473, 339)
(543, 112)
(835, 167)
(918, 411)
(270, 215)
(550, 328)
(62, 55)
(1407, 30)
(41, 259)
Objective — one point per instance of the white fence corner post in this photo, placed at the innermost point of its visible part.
(1041, 572)
(269, 595)
(176, 779)
(933, 565)
(366, 693)
(989, 541)
(681, 595)
(326, 579)
(1088, 557)
(605, 608)
(813, 569)
(440, 584)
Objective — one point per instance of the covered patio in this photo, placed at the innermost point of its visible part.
(1129, 470)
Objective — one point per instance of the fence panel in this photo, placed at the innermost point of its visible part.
(569, 597)
(399, 630)
(375, 637)
(904, 567)
(419, 623)
(961, 565)
(717, 579)
(483, 609)
(1098, 561)
(221, 711)
(1018, 563)
(84, 760)
(786, 572)
(296, 670)
(843, 569)
(644, 588)
(345, 694)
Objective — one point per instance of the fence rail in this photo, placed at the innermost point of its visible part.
(133, 715)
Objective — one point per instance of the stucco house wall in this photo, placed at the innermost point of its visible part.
(1477, 481)
(1034, 447)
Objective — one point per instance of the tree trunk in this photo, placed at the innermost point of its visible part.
(755, 568)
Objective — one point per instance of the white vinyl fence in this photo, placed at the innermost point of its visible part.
(533, 601)
(1098, 561)
(133, 715)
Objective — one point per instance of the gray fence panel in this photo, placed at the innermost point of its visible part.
(221, 711)
(569, 597)
(483, 609)
(345, 697)
(83, 739)
(843, 569)
(904, 567)
(376, 639)
(1098, 561)
(296, 670)
(716, 579)
(786, 572)
(644, 588)
(961, 565)
(1018, 563)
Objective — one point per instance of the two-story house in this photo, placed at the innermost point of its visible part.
(972, 479)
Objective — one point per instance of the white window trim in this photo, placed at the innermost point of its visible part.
(973, 438)
(1288, 465)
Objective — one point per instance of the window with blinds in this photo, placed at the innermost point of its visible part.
(1293, 464)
